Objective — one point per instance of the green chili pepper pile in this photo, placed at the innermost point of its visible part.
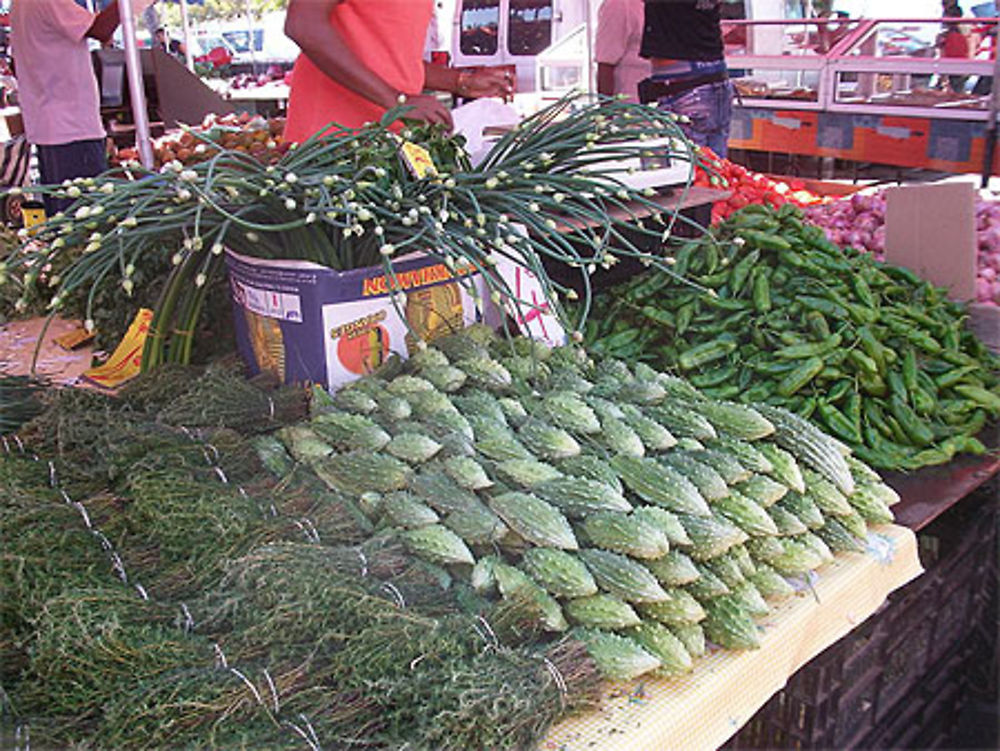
(870, 352)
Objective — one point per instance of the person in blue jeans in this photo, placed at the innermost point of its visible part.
(683, 41)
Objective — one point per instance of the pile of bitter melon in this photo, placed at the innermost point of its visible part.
(630, 507)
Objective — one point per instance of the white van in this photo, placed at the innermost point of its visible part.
(262, 41)
(507, 32)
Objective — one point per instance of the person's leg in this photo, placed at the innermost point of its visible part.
(67, 161)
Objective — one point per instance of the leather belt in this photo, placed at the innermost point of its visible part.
(652, 90)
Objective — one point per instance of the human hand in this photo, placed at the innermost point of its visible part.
(486, 82)
(428, 108)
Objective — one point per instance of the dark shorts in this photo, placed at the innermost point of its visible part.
(66, 161)
(709, 109)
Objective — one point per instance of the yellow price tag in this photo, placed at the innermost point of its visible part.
(418, 160)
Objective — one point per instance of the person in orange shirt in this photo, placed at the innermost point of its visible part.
(360, 56)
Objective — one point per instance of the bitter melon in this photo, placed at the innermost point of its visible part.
(734, 420)
(709, 482)
(660, 642)
(601, 611)
(527, 473)
(477, 525)
(674, 569)
(578, 496)
(667, 522)
(437, 544)
(566, 410)
(547, 441)
(467, 472)
(624, 533)
(710, 535)
(560, 573)
(729, 625)
(535, 520)
(677, 607)
(660, 485)
(621, 576)
(358, 472)
(617, 657)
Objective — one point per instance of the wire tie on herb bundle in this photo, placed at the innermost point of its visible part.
(142, 591)
(105, 542)
(27, 738)
(52, 474)
(118, 567)
(364, 563)
(83, 512)
(313, 534)
(490, 636)
(274, 691)
(221, 474)
(220, 658)
(309, 727)
(558, 678)
(396, 594)
(17, 440)
(305, 737)
(215, 453)
(188, 619)
(250, 685)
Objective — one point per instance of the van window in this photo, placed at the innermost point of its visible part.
(530, 26)
(480, 27)
(240, 40)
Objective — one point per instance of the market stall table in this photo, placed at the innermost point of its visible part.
(703, 709)
(268, 100)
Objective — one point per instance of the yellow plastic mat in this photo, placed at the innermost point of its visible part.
(126, 361)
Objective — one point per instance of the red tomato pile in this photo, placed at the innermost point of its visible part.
(749, 187)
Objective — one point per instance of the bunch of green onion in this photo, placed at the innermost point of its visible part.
(345, 200)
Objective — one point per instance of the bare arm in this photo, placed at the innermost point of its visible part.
(469, 84)
(105, 23)
(307, 23)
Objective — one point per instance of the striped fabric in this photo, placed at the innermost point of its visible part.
(700, 711)
(14, 162)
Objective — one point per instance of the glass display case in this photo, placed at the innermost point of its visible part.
(777, 63)
(913, 93)
(940, 69)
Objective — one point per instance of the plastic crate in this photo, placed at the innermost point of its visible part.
(901, 679)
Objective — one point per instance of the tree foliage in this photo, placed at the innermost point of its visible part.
(218, 10)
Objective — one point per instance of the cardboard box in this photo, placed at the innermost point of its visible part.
(304, 322)
(931, 229)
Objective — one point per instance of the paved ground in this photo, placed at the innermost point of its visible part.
(18, 342)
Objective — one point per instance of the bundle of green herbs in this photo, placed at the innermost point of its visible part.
(183, 597)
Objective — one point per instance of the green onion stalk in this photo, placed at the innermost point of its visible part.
(550, 190)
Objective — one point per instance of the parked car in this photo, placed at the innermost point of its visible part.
(212, 50)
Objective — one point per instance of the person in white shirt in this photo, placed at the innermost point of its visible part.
(616, 48)
(57, 89)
